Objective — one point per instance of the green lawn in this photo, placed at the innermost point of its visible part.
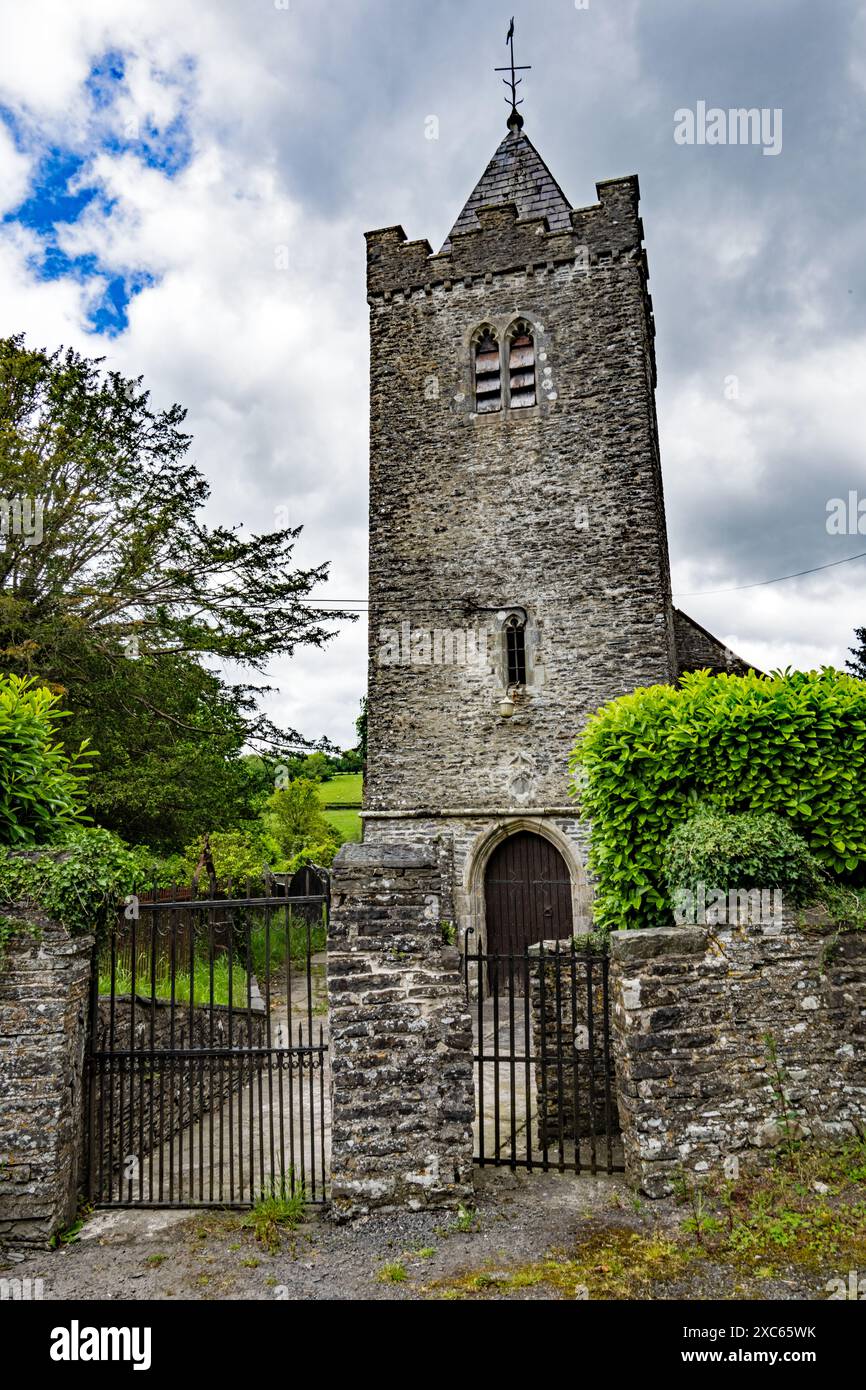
(346, 786)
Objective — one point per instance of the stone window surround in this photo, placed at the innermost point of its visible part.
(530, 646)
(472, 889)
(503, 327)
(534, 670)
(515, 650)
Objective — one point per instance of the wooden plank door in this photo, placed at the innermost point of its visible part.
(527, 895)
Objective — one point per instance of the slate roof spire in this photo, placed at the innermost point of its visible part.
(516, 173)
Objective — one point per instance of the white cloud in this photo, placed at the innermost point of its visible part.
(270, 362)
(14, 173)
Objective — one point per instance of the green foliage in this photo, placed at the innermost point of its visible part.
(195, 988)
(858, 665)
(807, 1211)
(149, 870)
(295, 937)
(279, 1209)
(318, 767)
(467, 1220)
(42, 787)
(81, 885)
(129, 603)
(320, 853)
(350, 760)
(593, 943)
(70, 1234)
(793, 743)
(787, 1117)
(295, 821)
(171, 761)
(13, 928)
(237, 854)
(846, 907)
(725, 850)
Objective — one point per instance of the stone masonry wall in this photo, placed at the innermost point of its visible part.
(401, 1038)
(698, 649)
(44, 995)
(692, 1007)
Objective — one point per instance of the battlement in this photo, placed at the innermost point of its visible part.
(501, 240)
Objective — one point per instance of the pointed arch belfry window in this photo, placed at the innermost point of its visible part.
(521, 366)
(488, 372)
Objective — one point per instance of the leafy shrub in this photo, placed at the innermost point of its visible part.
(295, 820)
(81, 885)
(41, 785)
(725, 851)
(846, 907)
(148, 869)
(237, 854)
(793, 743)
(321, 855)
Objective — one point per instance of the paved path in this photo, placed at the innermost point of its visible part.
(273, 1130)
(506, 1106)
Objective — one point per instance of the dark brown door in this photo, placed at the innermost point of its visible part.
(527, 894)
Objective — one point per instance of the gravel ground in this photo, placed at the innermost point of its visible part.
(518, 1220)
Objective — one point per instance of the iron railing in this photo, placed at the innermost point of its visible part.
(208, 1063)
(544, 1071)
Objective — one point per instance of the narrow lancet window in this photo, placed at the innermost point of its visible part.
(521, 367)
(515, 650)
(488, 374)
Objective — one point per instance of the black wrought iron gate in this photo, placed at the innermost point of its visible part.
(544, 1072)
(208, 1061)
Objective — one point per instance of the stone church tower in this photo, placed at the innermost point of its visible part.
(519, 571)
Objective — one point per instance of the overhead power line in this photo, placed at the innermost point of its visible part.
(360, 604)
(759, 583)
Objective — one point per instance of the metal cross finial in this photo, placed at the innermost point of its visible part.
(513, 82)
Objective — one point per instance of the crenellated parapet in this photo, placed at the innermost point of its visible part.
(502, 241)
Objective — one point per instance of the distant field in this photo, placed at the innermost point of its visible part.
(346, 786)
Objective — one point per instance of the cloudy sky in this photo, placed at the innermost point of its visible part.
(184, 188)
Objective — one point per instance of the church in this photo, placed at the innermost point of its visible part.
(519, 572)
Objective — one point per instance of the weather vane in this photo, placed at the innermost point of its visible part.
(512, 81)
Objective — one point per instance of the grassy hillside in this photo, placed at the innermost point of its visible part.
(346, 786)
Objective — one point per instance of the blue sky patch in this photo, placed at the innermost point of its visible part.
(60, 193)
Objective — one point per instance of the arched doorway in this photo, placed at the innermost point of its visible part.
(527, 894)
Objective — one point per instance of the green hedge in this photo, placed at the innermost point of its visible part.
(793, 743)
(743, 850)
(41, 785)
(81, 884)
